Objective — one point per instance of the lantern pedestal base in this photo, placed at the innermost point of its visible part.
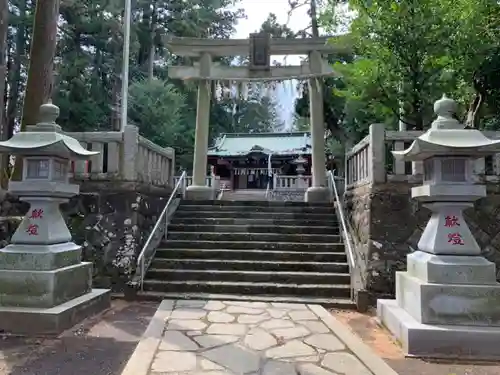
(39, 257)
(441, 301)
(317, 194)
(477, 305)
(45, 289)
(200, 192)
(438, 341)
(52, 321)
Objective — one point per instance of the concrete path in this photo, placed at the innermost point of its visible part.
(251, 338)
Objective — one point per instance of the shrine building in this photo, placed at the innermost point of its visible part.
(250, 161)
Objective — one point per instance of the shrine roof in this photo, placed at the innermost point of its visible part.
(240, 144)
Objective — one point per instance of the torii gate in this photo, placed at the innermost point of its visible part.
(259, 47)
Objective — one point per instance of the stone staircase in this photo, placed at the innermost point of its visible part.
(252, 250)
(245, 195)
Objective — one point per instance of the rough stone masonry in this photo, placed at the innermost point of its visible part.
(111, 225)
(386, 225)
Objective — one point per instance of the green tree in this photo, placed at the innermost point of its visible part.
(157, 108)
(408, 53)
(256, 113)
(300, 123)
(277, 30)
(89, 53)
(405, 47)
(476, 59)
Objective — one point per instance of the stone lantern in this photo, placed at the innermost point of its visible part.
(448, 301)
(44, 286)
(300, 168)
(300, 162)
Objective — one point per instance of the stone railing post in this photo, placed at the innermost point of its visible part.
(130, 149)
(376, 158)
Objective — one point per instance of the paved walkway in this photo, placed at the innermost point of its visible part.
(251, 338)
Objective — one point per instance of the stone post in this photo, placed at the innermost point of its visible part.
(376, 157)
(129, 152)
(318, 191)
(199, 190)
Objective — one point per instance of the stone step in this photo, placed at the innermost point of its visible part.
(238, 228)
(249, 288)
(254, 203)
(201, 214)
(339, 303)
(185, 243)
(231, 208)
(257, 237)
(278, 277)
(250, 221)
(316, 265)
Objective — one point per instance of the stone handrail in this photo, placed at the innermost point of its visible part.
(371, 161)
(124, 156)
(358, 163)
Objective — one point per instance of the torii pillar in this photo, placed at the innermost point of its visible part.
(318, 192)
(199, 189)
(259, 47)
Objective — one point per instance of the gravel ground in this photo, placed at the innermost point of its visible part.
(99, 346)
(382, 343)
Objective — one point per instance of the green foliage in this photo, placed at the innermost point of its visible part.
(409, 52)
(157, 107)
(300, 124)
(277, 30)
(88, 69)
(255, 113)
(404, 56)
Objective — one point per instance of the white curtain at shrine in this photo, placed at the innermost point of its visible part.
(255, 171)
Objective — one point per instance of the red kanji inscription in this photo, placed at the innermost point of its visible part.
(455, 239)
(32, 230)
(37, 213)
(451, 221)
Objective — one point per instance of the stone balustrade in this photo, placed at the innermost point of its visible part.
(292, 182)
(125, 156)
(371, 161)
(210, 181)
(281, 182)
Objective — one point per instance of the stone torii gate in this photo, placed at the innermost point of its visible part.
(259, 47)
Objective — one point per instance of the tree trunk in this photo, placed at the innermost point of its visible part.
(314, 19)
(15, 73)
(152, 47)
(116, 82)
(41, 66)
(4, 131)
(472, 120)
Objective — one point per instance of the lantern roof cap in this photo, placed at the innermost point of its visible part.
(45, 138)
(448, 137)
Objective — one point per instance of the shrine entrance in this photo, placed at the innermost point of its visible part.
(259, 48)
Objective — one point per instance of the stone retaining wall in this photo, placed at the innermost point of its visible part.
(111, 226)
(386, 225)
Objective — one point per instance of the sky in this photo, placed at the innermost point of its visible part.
(257, 12)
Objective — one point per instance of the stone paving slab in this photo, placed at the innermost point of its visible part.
(191, 337)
